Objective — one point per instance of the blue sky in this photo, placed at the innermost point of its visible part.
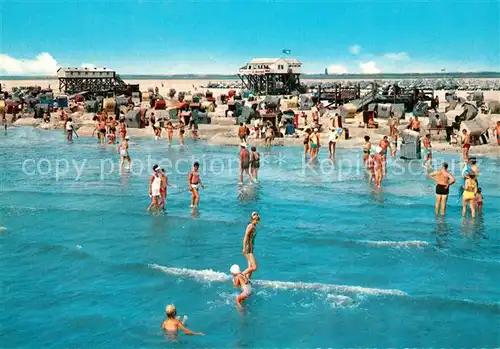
(178, 37)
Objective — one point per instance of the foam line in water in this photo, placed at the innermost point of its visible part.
(209, 275)
(412, 243)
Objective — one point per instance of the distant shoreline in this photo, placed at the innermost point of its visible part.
(470, 75)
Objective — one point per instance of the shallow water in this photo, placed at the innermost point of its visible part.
(84, 265)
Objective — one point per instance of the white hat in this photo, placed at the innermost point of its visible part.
(235, 269)
(315, 129)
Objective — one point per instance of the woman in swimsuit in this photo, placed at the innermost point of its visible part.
(194, 181)
(154, 188)
(366, 150)
(170, 132)
(181, 132)
(249, 244)
(242, 281)
(469, 195)
(378, 167)
(371, 167)
(255, 164)
(466, 145)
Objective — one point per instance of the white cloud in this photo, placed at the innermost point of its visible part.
(44, 63)
(369, 67)
(337, 69)
(355, 49)
(400, 56)
(88, 65)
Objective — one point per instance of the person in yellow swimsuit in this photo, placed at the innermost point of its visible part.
(469, 195)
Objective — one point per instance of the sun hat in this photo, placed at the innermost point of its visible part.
(235, 269)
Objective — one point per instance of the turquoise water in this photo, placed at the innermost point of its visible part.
(84, 265)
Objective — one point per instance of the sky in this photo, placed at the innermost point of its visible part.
(218, 37)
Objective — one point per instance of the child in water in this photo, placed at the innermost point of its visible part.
(479, 201)
(173, 324)
(242, 281)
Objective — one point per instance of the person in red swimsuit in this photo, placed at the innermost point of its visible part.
(466, 144)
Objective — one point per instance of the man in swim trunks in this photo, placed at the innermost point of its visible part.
(427, 149)
(173, 325)
(194, 181)
(443, 180)
(249, 244)
(101, 129)
(384, 144)
(241, 281)
(465, 144)
(244, 163)
(112, 130)
(154, 189)
(314, 139)
(366, 150)
(123, 150)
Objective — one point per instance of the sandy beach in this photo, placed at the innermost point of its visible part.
(223, 131)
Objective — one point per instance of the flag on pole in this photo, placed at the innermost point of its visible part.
(287, 51)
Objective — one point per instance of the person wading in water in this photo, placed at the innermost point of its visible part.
(443, 180)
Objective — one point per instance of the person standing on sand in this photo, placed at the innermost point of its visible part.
(332, 140)
(172, 325)
(244, 163)
(194, 181)
(124, 155)
(154, 189)
(367, 147)
(242, 132)
(443, 180)
(269, 134)
(427, 150)
(255, 164)
(497, 132)
(249, 245)
(465, 145)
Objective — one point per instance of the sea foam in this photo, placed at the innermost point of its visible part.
(209, 275)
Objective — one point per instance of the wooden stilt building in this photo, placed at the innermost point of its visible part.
(271, 76)
(92, 80)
